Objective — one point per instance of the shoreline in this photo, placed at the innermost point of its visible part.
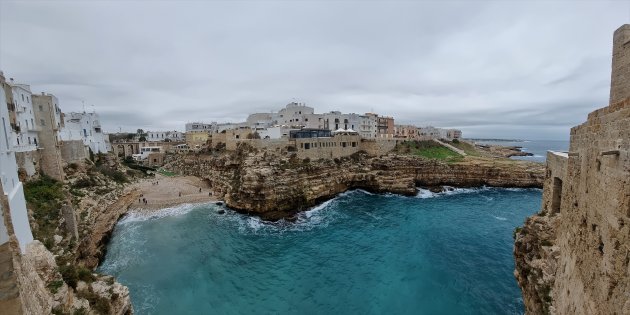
(164, 192)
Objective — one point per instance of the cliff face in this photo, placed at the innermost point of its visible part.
(274, 186)
(573, 258)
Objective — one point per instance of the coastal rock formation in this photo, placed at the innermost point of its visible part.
(274, 186)
(503, 151)
(573, 257)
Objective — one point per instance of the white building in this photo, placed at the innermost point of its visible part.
(153, 136)
(201, 127)
(11, 186)
(294, 114)
(24, 137)
(86, 127)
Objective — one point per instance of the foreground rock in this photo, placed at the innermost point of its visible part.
(275, 186)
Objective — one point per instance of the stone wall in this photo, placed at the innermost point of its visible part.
(379, 146)
(593, 272)
(576, 261)
(620, 75)
(73, 151)
(50, 155)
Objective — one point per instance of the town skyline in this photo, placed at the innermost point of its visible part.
(498, 71)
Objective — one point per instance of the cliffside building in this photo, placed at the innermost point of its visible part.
(49, 118)
(12, 200)
(87, 128)
(174, 135)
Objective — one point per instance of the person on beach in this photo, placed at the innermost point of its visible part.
(180, 193)
(199, 189)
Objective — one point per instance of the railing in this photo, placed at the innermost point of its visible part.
(24, 147)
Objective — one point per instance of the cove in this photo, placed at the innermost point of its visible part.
(360, 253)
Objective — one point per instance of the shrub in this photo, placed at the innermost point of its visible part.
(55, 285)
(98, 303)
(44, 197)
(69, 275)
(84, 183)
(115, 175)
(455, 141)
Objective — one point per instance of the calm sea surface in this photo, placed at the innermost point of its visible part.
(537, 147)
(359, 253)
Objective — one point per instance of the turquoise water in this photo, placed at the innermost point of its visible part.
(356, 254)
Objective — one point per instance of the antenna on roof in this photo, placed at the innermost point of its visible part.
(83, 106)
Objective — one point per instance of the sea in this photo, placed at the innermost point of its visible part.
(359, 253)
(538, 148)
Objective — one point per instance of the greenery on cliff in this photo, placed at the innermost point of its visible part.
(428, 149)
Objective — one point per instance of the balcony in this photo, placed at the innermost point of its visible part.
(20, 109)
(24, 148)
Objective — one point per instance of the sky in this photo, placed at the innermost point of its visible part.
(494, 69)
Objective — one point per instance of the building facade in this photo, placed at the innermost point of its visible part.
(49, 118)
(12, 190)
(174, 135)
(87, 128)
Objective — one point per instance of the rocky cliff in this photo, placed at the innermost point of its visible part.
(574, 256)
(274, 185)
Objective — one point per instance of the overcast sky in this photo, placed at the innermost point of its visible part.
(500, 69)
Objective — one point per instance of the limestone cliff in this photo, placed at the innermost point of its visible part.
(274, 186)
(573, 257)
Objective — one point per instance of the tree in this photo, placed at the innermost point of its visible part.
(142, 139)
(140, 131)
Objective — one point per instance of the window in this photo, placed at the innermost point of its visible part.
(22, 97)
(41, 108)
(42, 122)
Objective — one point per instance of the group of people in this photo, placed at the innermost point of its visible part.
(142, 199)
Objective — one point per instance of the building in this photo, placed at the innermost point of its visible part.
(25, 138)
(385, 126)
(87, 128)
(48, 117)
(174, 135)
(293, 114)
(12, 199)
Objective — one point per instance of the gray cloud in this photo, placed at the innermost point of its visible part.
(492, 68)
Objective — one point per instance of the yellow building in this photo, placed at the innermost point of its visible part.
(196, 138)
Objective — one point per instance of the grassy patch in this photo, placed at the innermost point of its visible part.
(466, 147)
(166, 173)
(44, 197)
(54, 286)
(429, 150)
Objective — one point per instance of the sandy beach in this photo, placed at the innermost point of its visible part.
(162, 192)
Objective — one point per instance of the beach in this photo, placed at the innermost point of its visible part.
(164, 191)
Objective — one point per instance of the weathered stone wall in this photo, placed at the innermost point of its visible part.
(620, 77)
(50, 155)
(593, 274)
(73, 151)
(577, 261)
(378, 146)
